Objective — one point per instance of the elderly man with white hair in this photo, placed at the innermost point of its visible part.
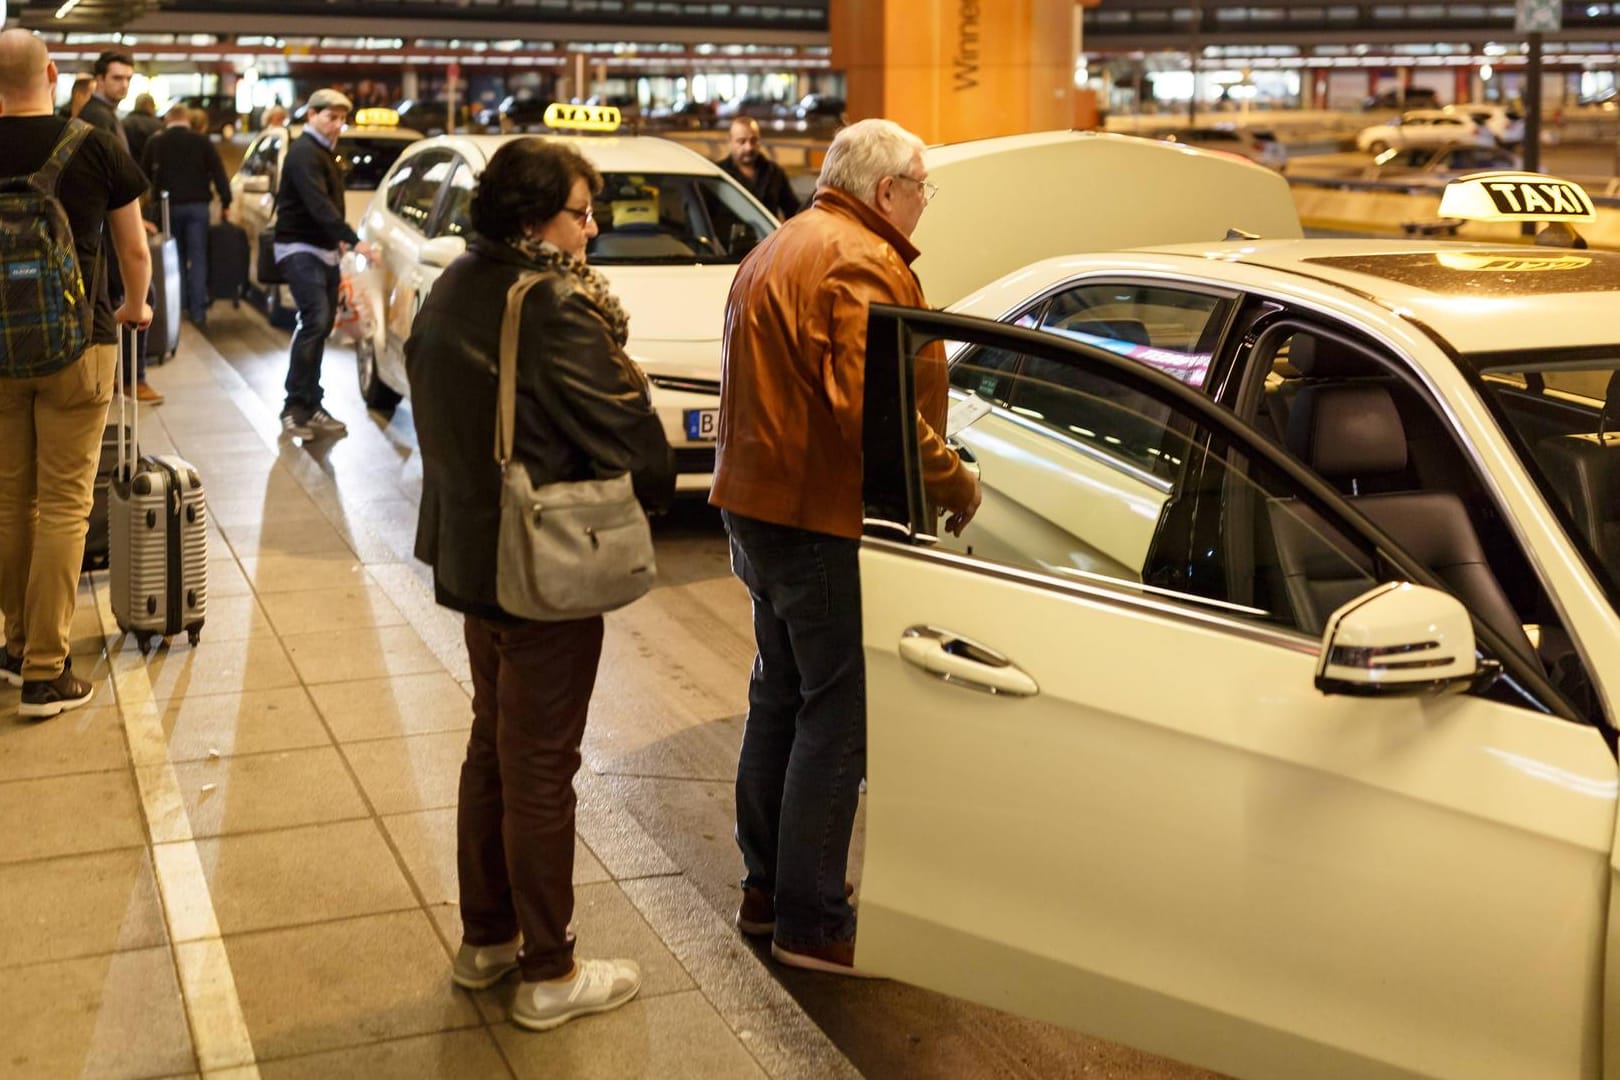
(788, 481)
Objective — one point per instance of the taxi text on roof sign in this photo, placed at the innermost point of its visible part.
(1516, 196)
(565, 117)
(375, 117)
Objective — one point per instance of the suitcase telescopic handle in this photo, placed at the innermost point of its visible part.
(163, 211)
(128, 412)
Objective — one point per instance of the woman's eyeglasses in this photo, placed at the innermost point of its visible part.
(585, 216)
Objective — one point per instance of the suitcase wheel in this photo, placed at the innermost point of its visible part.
(193, 636)
(143, 642)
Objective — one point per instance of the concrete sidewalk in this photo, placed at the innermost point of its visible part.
(240, 860)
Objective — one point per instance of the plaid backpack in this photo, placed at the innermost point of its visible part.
(45, 314)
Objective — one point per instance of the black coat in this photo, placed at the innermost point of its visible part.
(582, 411)
(309, 204)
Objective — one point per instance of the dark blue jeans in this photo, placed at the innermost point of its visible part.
(314, 287)
(804, 745)
(189, 222)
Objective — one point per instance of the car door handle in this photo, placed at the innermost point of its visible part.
(960, 661)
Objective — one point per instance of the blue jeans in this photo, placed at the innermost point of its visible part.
(804, 744)
(189, 223)
(314, 287)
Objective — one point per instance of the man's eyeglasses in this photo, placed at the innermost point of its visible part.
(585, 216)
(928, 190)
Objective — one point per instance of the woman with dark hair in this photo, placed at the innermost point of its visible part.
(582, 413)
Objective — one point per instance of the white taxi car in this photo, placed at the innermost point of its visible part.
(1421, 127)
(1265, 716)
(366, 150)
(672, 229)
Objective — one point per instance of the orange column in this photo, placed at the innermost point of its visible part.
(958, 69)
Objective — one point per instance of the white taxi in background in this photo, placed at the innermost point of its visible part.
(1284, 648)
(672, 229)
(366, 150)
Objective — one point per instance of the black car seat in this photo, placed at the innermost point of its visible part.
(1585, 469)
(1351, 434)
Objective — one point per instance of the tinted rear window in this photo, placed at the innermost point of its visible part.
(366, 161)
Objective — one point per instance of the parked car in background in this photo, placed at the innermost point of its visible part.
(1505, 125)
(1259, 147)
(1420, 127)
(682, 116)
(1414, 97)
(821, 112)
(1441, 165)
(754, 106)
(429, 117)
(672, 230)
(223, 119)
(514, 114)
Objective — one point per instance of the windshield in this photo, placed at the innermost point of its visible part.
(1565, 411)
(366, 161)
(673, 219)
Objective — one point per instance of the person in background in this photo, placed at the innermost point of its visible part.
(184, 163)
(197, 120)
(141, 124)
(52, 416)
(582, 412)
(787, 479)
(275, 116)
(83, 87)
(113, 71)
(763, 177)
(311, 236)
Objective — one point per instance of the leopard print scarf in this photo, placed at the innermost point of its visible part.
(548, 256)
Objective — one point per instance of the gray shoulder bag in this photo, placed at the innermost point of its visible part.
(567, 550)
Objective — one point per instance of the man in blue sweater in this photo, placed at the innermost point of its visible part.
(311, 235)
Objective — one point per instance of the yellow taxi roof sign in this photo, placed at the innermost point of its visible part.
(562, 116)
(1516, 196)
(375, 117)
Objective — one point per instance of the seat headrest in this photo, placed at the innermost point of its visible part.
(1326, 358)
(1347, 430)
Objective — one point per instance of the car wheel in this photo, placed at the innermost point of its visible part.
(377, 395)
(1377, 146)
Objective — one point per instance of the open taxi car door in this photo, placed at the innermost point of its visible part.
(1260, 793)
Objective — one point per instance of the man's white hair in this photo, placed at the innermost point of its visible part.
(866, 152)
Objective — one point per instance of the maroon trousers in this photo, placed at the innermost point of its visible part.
(532, 685)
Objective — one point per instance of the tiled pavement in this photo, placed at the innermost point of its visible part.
(240, 860)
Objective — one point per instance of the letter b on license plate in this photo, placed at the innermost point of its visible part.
(702, 425)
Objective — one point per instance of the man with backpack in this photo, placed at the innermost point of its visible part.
(60, 180)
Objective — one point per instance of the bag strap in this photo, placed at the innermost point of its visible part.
(506, 399)
(50, 174)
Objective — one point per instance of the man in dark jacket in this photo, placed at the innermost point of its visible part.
(141, 124)
(183, 163)
(311, 235)
(763, 177)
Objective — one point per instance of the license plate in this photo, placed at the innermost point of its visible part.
(702, 424)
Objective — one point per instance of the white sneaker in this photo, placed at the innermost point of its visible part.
(481, 966)
(597, 986)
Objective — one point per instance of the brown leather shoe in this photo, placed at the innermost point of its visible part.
(756, 915)
(145, 393)
(836, 958)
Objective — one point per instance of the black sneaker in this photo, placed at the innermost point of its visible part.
(295, 428)
(324, 424)
(10, 669)
(42, 699)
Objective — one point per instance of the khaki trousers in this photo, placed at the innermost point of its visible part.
(50, 442)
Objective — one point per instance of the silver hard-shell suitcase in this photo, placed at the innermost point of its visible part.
(157, 526)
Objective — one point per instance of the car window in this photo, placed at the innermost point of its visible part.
(674, 219)
(365, 161)
(455, 215)
(414, 186)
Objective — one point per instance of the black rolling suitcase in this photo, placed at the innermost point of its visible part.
(227, 262)
(157, 529)
(95, 540)
(163, 336)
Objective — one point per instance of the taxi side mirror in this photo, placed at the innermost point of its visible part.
(256, 185)
(741, 240)
(1401, 640)
(441, 251)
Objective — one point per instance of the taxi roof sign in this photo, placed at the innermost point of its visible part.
(562, 116)
(1516, 196)
(375, 117)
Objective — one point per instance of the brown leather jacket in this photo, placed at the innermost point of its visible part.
(789, 449)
